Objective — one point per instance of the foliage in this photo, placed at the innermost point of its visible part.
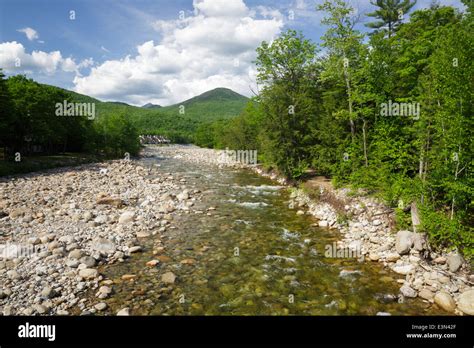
(338, 128)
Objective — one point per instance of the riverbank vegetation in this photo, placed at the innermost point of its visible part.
(390, 111)
(30, 125)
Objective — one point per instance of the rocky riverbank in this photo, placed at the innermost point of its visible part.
(438, 277)
(59, 227)
(367, 226)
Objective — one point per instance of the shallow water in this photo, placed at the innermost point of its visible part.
(253, 256)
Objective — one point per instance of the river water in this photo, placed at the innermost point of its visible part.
(250, 256)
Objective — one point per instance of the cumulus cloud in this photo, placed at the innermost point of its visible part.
(30, 33)
(14, 59)
(212, 47)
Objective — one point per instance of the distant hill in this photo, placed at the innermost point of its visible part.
(218, 103)
(119, 103)
(151, 106)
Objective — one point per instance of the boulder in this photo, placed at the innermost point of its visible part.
(454, 262)
(89, 261)
(419, 241)
(404, 242)
(75, 254)
(407, 291)
(445, 301)
(403, 269)
(466, 302)
(426, 294)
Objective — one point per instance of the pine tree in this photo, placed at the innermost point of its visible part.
(390, 14)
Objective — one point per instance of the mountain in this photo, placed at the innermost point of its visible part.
(219, 103)
(214, 95)
(216, 104)
(119, 103)
(151, 106)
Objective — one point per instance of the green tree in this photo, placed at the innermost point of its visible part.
(390, 14)
(288, 71)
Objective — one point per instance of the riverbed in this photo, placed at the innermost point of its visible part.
(242, 251)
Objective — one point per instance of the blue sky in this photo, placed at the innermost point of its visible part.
(150, 50)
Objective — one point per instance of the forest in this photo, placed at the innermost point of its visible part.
(389, 111)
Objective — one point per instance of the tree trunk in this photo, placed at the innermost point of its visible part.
(415, 218)
(365, 143)
(349, 97)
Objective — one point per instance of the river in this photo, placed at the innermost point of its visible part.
(252, 255)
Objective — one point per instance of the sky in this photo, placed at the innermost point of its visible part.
(151, 51)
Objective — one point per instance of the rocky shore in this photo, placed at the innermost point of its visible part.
(58, 227)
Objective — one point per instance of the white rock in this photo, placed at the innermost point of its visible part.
(466, 302)
(323, 223)
(126, 217)
(404, 242)
(101, 306)
(104, 246)
(454, 262)
(407, 291)
(377, 222)
(88, 273)
(124, 312)
(168, 278)
(445, 301)
(403, 269)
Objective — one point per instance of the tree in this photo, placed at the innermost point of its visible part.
(390, 14)
(342, 66)
(5, 111)
(288, 71)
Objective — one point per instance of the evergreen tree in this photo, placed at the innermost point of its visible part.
(390, 14)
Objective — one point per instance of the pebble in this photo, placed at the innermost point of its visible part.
(135, 249)
(88, 273)
(126, 217)
(152, 263)
(124, 312)
(101, 306)
(168, 278)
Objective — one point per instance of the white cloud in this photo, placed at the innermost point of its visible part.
(213, 48)
(14, 59)
(220, 8)
(30, 33)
